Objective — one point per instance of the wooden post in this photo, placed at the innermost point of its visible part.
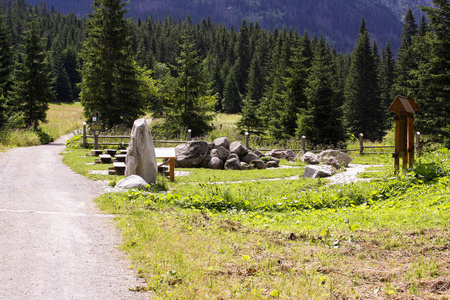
(410, 150)
(361, 144)
(84, 135)
(418, 143)
(303, 143)
(397, 145)
(172, 169)
(96, 133)
(246, 140)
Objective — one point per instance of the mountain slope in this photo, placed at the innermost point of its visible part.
(338, 20)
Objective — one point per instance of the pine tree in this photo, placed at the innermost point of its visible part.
(321, 121)
(362, 107)
(231, 102)
(32, 88)
(433, 75)
(6, 57)
(407, 58)
(386, 77)
(6, 67)
(110, 83)
(192, 107)
(243, 53)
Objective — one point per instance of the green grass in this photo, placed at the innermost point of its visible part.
(292, 239)
(213, 238)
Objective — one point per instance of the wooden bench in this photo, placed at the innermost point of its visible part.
(167, 154)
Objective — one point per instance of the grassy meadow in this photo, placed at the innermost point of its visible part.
(62, 119)
(270, 234)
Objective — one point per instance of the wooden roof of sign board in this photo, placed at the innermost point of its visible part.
(404, 104)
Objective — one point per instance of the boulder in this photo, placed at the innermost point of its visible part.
(259, 153)
(258, 164)
(191, 154)
(318, 171)
(275, 160)
(249, 157)
(132, 182)
(272, 164)
(210, 146)
(213, 153)
(332, 161)
(233, 164)
(290, 155)
(141, 158)
(238, 148)
(245, 166)
(223, 153)
(222, 141)
(311, 158)
(343, 158)
(215, 163)
(233, 155)
(276, 154)
(206, 161)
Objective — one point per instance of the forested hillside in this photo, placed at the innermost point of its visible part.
(284, 83)
(337, 20)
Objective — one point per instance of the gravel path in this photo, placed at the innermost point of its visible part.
(54, 243)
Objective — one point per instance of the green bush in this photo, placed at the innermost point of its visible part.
(44, 137)
(75, 142)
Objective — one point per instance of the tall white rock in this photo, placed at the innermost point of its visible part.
(141, 158)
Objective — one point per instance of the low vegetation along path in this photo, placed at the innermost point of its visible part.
(54, 244)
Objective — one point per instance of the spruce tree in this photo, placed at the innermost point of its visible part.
(192, 107)
(362, 107)
(32, 88)
(321, 120)
(407, 57)
(386, 78)
(6, 67)
(110, 83)
(433, 75)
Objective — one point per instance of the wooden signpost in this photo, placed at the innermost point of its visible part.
(404, 109)
(96, 127)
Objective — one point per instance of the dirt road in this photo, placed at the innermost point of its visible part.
(54, 243)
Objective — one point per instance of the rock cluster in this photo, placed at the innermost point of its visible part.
(325, 163)
(222, 154)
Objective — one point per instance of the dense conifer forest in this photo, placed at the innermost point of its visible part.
(285, 83)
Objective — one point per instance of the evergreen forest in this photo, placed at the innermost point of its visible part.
(284, 83)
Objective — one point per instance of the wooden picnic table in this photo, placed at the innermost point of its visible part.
(169, 154)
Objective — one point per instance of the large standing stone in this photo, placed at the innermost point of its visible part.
(222, 141)
(238, 148)
(191, 154)
(318, 171)
(311, 158)
(141, 158)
